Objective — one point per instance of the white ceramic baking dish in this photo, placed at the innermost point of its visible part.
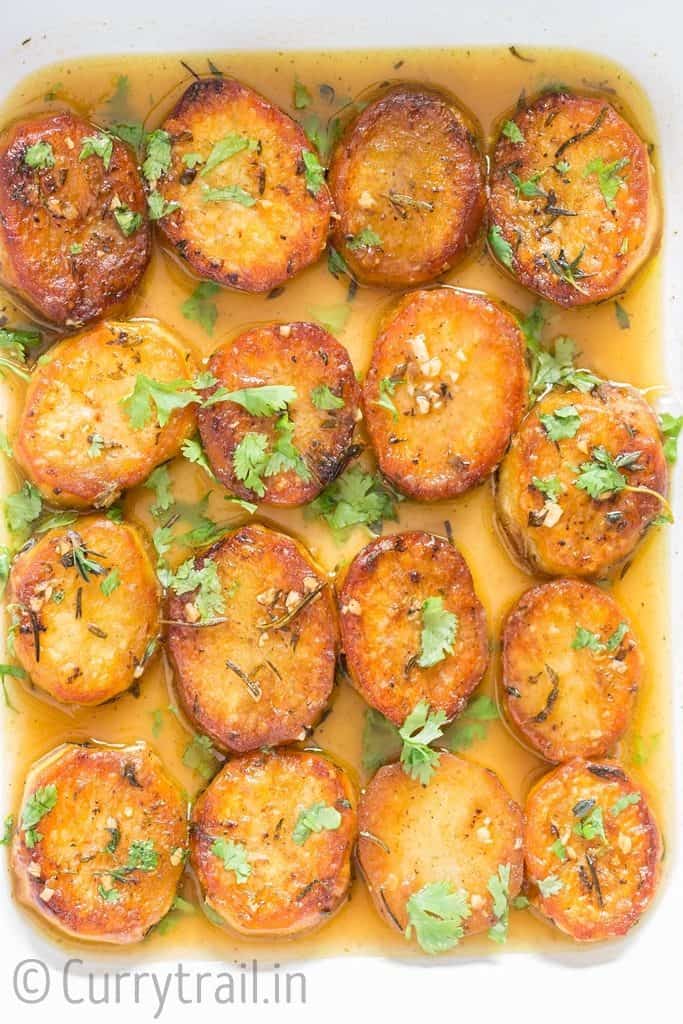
(625, 983)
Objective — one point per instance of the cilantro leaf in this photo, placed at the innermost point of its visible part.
(23, 507)
(199, 307)
(163, 396)
(601, 476)
(302, 97)
(364, 239)
(112, 895)
(324, 398)
(556, 368)
(421, 728)
(609, 178)
(499, 887)
(670, 427)
(560, 851)
(436, 914)
(528, 188)
(439, 628)
(158, 207)
(381, 741)
(193, 451)
(225, 148)
(591, 825)
(131, 132)
(127, 219)
(336, 264)
(313, 172)
(500, 247)
(470, 724)
(227, 194)
(265, 400)
(624, 801)
(355, 498)
(234, 857)
(623, 319)
(285, 455)
(208, 599)
(322, 136)
(40, 156)
(37, 806)
(5, 563)
(586, 639)
(110, 582)
(250, 460)
(8, 829)
(563, 422)
(512, 131)
(316, 818)
(550, 486)
(142, 856)
(387, 387)
(159, 481)
(158, 155)
(100, 145)
(550, 886)
(201, 757)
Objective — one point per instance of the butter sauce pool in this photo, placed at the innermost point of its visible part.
(488, 82)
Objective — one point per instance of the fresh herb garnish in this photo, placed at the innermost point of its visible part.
(602, 476)
(585, 639)
(627, 800)
(387, 387)
(670, 427)
(556, 368)
(562, 422)
(470, 725)
(199, 307)
(365, 239)
(158, 155)
(8, 830)
(609, 178)
(591, 824)
(110, 582)
(355, 498)
(159, 481)
(23, 507)
(234, 858)
(500, 247)
(265, 400)
(439, 628)
(567, 270)
(37, 806)
(208, 599)
(313, 171)
(227, 194)
(226, 148)
(40, 156)
(528, 188)
(158, 207)
(323, 398)
(421, 728)
(381, 741)
(302, 97)
(499, 887)
(511, 131)
(100, 145)
(623, 319)
(550, 886)
(316, 818)
(436, 914)
(164, 397)
(550, 486)
(128, 220)
(201, 757)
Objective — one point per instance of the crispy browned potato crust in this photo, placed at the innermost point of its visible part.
(76, 643)
(380, 614)
(452, 364)
(459, 829)
(279, 679)
(598, 888)
(74, 440)
(107, 800)
(568, 696)
(409, 170)
(45, 212)
(255, 802)
(253, 248)
(572, 199)
(302, 355)
(579, 535)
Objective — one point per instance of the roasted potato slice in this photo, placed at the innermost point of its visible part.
(75, 440)
(573, 211)
(568, 506)
(319, 421)
(100, 842)
(385, 604)
(458, 831)
(74, 235)
(407, 180)
(592, 849)
(264, 674)
(271, 840)
(251, 219)
(571, 670)
(446, 388)
(87, 606)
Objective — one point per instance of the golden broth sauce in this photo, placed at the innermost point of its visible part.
(488, 81)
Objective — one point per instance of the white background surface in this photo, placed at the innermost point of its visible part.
(642, 979)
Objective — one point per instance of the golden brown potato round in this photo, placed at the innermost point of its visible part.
(407, 180)
(265, 674)
(277, 221)
(74, 235)
(100, 842)
(573, 211)
(75, 440)
(571, 670)
(558, 527)
(323, 414)
(271, 841)
(446, 388)
(458, 830)
(87, 603)
(385, 603)
(592, 849)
